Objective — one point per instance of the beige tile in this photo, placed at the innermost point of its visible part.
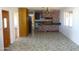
(44, 41)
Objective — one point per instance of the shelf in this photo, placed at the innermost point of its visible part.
(42, 20)
(46, 22)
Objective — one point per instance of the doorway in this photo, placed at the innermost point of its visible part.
(6, 28)
(30, 25)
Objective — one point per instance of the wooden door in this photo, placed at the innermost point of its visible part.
(23, 22)
(6, 29)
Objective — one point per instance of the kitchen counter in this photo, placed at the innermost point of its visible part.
(46, 25)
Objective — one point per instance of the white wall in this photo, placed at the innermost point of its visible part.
(75, 29)
(67, 31)
(16, 22)
(11, 21)
(71, 32)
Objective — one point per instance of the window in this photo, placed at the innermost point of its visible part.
(71, 17)
(5, 22)
(68, 18)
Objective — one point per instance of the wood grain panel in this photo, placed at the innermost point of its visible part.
(23, 22)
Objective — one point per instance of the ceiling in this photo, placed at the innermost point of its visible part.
(37, 8)
(44, 8)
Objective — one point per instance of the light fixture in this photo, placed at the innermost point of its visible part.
(47, 10)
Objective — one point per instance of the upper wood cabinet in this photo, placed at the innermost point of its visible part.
(23, 22)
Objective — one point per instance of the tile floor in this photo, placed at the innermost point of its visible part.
(44, 41)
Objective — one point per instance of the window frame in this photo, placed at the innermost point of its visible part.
(68, 17)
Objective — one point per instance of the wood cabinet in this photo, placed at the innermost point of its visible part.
(23, 22)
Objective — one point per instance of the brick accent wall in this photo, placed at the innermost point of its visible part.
(54, 15)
